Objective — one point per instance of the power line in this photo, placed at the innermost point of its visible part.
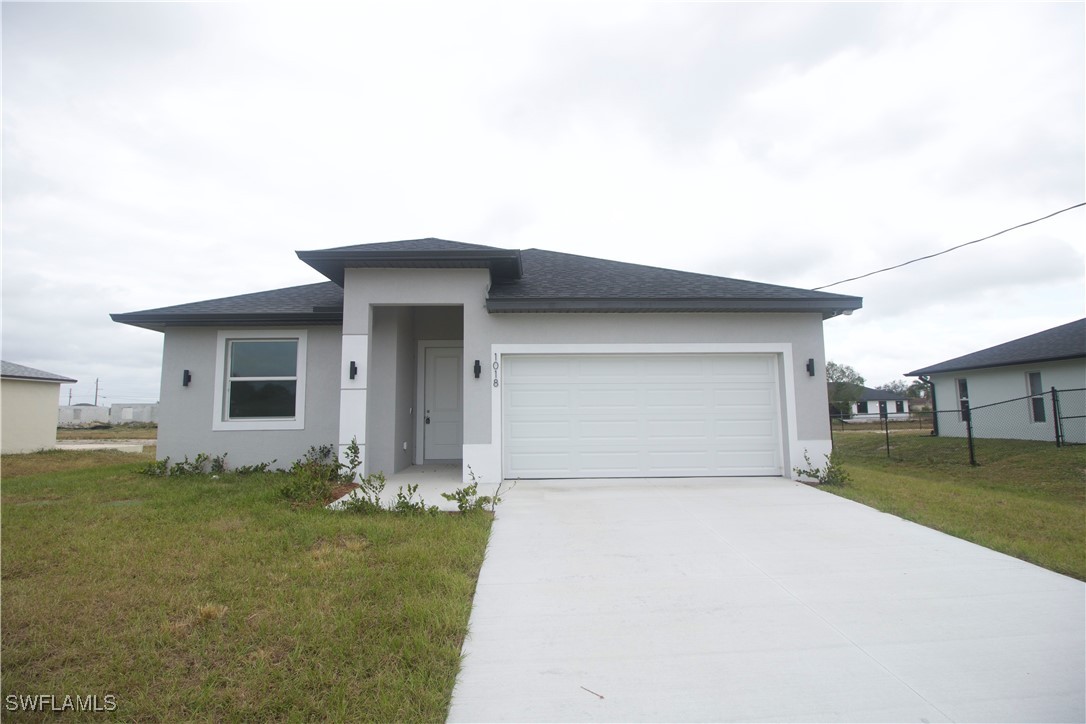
(947, 251)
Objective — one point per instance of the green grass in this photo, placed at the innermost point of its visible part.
(1027, 499)
(202, 599)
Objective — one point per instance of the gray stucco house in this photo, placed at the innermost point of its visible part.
(1019, 373)
(520, 364)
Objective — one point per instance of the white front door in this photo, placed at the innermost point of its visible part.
(443, 408)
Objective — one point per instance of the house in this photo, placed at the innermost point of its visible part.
(873, 402)
(133, 412)
(81, 413)
(28, 415)
(519, 364)
(1008, 387)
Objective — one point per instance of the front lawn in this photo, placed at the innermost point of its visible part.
(213, 599)
(1027, 499)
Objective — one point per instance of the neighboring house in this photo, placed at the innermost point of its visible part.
(28, 411)
(120, 414)
(81, 413)
(872, 403)
(1022, 371)
(519, 364)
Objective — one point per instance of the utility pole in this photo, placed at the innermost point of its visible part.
(69, 397)
(96, 392)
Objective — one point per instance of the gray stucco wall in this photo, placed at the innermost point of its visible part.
(186, 412)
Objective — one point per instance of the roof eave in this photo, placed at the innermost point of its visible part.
(826, 308)
(963, 368)
(159, 322)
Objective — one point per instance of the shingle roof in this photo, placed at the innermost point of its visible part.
(22, 372)
(414, 254)
(416, 245)
(320, 303)
(530, 281)
(872, 395)
(554, 281)
(1068, 341)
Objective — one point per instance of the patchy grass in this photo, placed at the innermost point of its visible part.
(1027, 499)
(106, 431)
(56, 461)
(202, 599)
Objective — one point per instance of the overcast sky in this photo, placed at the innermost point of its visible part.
(155, 154)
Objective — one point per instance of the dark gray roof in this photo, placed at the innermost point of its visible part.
(872, 395)
(320, 303)
(558, 282)
(22, 372)
(414, 254)
(530, 281)
(1068, 341)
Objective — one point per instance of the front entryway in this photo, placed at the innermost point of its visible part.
(443, 403)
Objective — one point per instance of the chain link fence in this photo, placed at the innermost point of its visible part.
(1056, 417)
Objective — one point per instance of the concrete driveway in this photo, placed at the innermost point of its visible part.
(757, 600)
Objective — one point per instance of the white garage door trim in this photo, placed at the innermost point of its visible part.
(787, 433)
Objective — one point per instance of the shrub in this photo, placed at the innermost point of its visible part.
(158, 468)
(468, 499)
(196, 467)
(832, 474)
(407, 505)
(367, 499)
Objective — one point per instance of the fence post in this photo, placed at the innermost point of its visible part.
(1056, 417)
(968, 414)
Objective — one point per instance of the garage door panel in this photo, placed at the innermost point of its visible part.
(640, 415)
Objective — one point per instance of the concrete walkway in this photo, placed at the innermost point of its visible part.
(757, 600)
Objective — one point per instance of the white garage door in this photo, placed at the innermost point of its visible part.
(606, 416)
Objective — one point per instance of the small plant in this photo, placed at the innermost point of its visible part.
(832, 474)
(407, 505)
(468, 499)
(253, 469)
(349, 469)
(158, 468)
(218, 464)
(367, 498)
(196, 467)
(312, 477)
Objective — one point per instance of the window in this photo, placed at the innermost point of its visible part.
(963, 398)
(861, 408)
(899, 406)
(1037, 399)
(260, 380)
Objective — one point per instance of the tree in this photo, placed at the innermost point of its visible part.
(915, 390)
(846, 386)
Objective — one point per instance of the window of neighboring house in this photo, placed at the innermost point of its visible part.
(861, 408)
(899, 406)
(963, 398)
(1036, 400)
(260, 380)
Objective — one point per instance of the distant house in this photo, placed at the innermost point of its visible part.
(120, 414)
(1021, 374)
(28, 417)
(81, 413)
(873, 402)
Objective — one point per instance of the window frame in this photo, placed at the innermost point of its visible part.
(221, 419)
(1036, 397)
(963, 399)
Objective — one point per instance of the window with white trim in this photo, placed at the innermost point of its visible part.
(260, 380)
(963, 398)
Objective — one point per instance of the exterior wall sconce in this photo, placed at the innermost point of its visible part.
(810, 367)
(478, 369)
(186, 378)
(354, 370)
